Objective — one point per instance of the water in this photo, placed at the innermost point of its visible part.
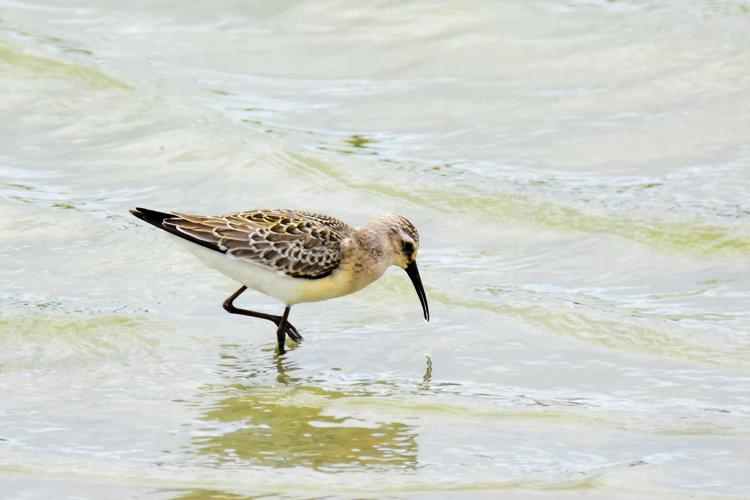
(580, 175)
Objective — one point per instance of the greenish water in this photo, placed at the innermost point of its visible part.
(579, 172)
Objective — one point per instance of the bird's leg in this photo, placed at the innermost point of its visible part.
(280, 335)
(288, 328)
(229, 307)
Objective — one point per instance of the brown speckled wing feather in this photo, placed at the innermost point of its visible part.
(300, 244)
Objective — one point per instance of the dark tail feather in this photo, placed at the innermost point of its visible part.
(157, 219)
(151, 216)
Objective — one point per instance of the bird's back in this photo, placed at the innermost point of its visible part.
(299, 244)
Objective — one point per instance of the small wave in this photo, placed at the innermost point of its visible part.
(696, 236)
(46, 339)
(605, 326)
(25, 64)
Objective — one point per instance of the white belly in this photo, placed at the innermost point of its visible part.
(277, 284)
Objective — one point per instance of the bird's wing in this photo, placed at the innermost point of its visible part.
(300, 244)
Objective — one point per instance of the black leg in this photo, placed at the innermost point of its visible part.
(287, 328)
(280, 335)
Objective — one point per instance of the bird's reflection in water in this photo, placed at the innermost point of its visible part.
(205, 494)
(290, 423)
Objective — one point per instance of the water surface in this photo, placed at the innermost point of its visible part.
(579, 172)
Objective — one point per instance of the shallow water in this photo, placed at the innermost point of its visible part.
(579, 172)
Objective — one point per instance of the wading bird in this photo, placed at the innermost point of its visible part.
(295, 256)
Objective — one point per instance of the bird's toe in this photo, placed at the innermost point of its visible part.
(293, 333)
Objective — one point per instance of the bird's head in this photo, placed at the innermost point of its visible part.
(403, 240)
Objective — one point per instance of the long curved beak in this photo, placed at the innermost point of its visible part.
(413, 273)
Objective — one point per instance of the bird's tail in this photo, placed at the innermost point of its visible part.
(151, 216)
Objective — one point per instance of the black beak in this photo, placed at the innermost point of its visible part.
(413, 273)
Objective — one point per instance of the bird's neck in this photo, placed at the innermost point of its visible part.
(372, 246)
(375, 249)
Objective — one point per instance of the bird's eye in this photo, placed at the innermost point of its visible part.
(408, 247)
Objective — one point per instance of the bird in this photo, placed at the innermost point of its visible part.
(294, 256)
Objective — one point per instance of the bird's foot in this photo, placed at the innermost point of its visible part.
(292, 332)
(293, 335)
